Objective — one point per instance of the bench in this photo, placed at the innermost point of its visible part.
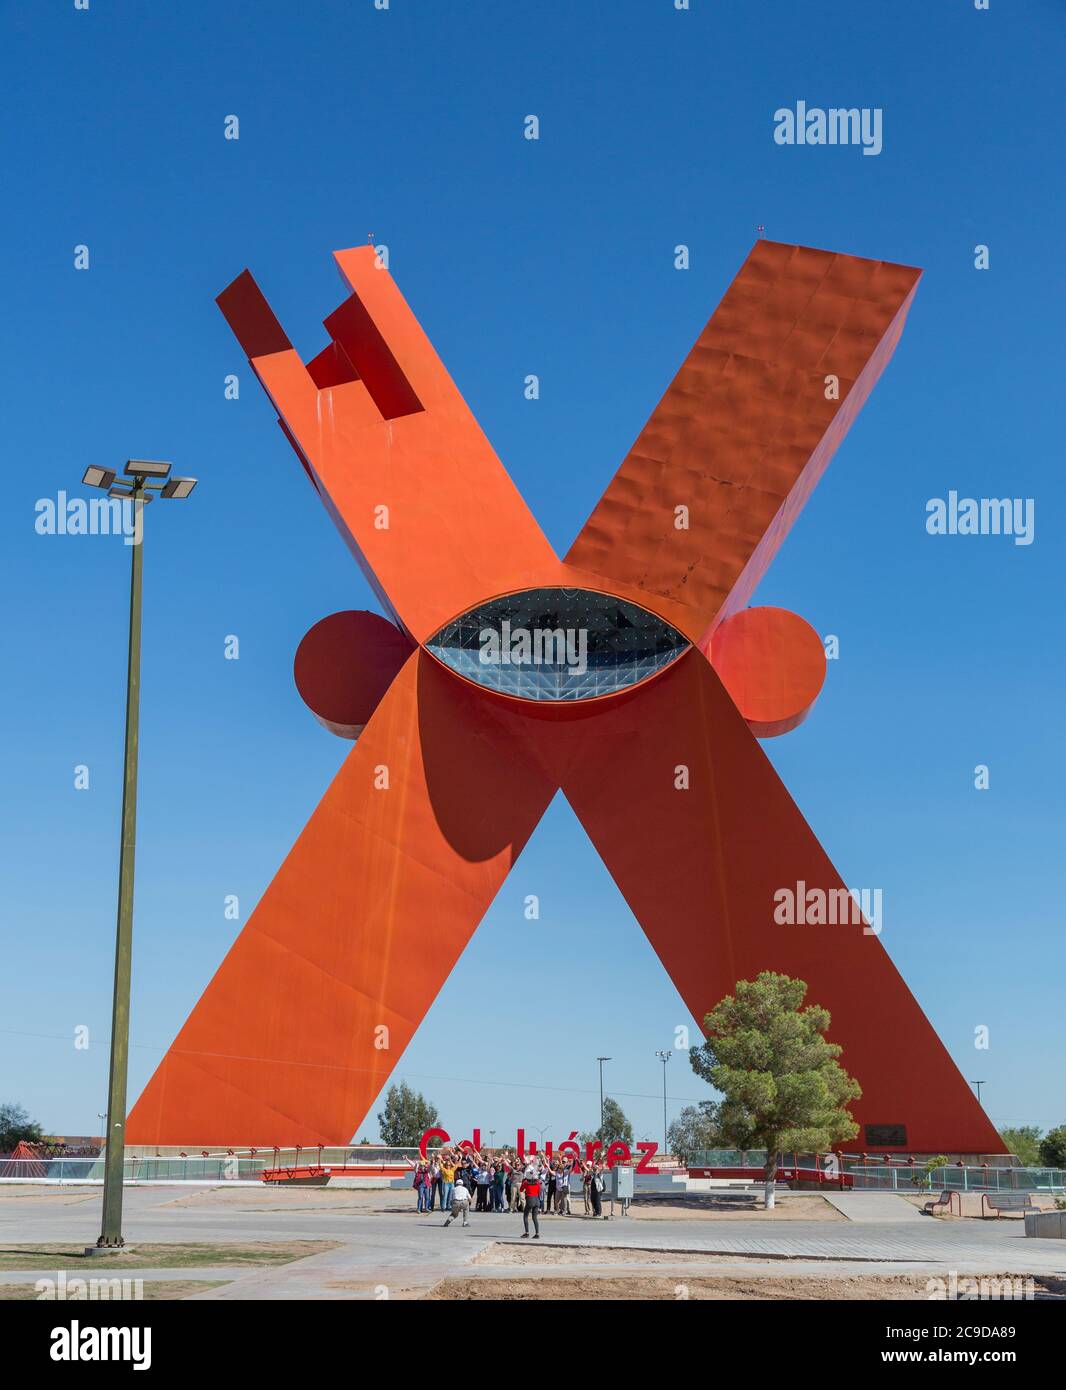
(945, 1199)
(996, 1203)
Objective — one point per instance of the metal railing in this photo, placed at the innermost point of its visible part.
(749, 1158)
(134, 1170)
(245, 1167)
(956, 1178)
(238, 1166)
(1001, 1174)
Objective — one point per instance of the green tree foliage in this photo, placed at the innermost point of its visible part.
(782, 1084)
(1053, 1148)
(695, 1128)
(923, 1177)
(615, 1126)
(1024, 1142)
(15, 1125)
(406, 1117)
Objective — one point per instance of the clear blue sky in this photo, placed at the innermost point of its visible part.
(554, 257)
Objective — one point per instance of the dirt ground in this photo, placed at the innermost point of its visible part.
(501, 1256)
(680, 1288)
(679, 1283)
(509, 1273)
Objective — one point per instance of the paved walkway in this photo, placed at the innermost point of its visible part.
(386, 1250)
(875, 1206)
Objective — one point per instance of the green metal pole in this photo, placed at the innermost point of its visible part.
(666, 1137)
(115, 1139)
(601, 1095)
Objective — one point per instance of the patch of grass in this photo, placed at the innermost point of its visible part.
(154, 1290)
(44, 1256)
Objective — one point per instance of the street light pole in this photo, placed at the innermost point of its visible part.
(664, 1057)
(144, 480)
(115, 1131)
(601, 1061)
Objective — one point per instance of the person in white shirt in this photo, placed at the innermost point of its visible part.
(460, 1203)
(484, 1180)
(562, 1191)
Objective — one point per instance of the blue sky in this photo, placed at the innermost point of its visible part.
(552, 257)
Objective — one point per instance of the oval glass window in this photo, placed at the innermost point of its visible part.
(557, 644)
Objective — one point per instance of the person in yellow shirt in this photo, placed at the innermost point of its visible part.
(447, 1177)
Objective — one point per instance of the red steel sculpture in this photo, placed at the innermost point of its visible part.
(631, 675)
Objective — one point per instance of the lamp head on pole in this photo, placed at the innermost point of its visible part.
(144, 479)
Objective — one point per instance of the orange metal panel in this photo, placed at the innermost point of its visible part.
(396, 436)
(345, 665)
(745, 430)
(772, 663)
(701, 867)
(359, 929)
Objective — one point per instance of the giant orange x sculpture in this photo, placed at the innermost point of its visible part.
(653, 743)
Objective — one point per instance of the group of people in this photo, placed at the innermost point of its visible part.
(455, 1179)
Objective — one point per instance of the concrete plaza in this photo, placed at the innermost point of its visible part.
(385, 1250)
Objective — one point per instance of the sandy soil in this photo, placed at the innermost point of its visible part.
(678, 1283)
(678, 1289)
(502, 1256)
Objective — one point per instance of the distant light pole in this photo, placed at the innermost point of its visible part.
(664, 1057)
(144, 480)
(541, 1132)
(601, 1061)
(978, 1084)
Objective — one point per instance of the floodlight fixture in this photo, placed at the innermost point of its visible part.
(178, 487)
(147, 468)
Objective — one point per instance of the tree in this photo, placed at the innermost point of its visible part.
(781, 1082)
(1024, 1143)
(1053, 1148)
(15, 1125)
(695, 1128)
(406, 1117)
(923, 1176)
(615, 1126)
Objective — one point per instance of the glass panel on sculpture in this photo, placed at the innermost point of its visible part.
(557, 644)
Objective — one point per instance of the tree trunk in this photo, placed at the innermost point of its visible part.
(771, 1174)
